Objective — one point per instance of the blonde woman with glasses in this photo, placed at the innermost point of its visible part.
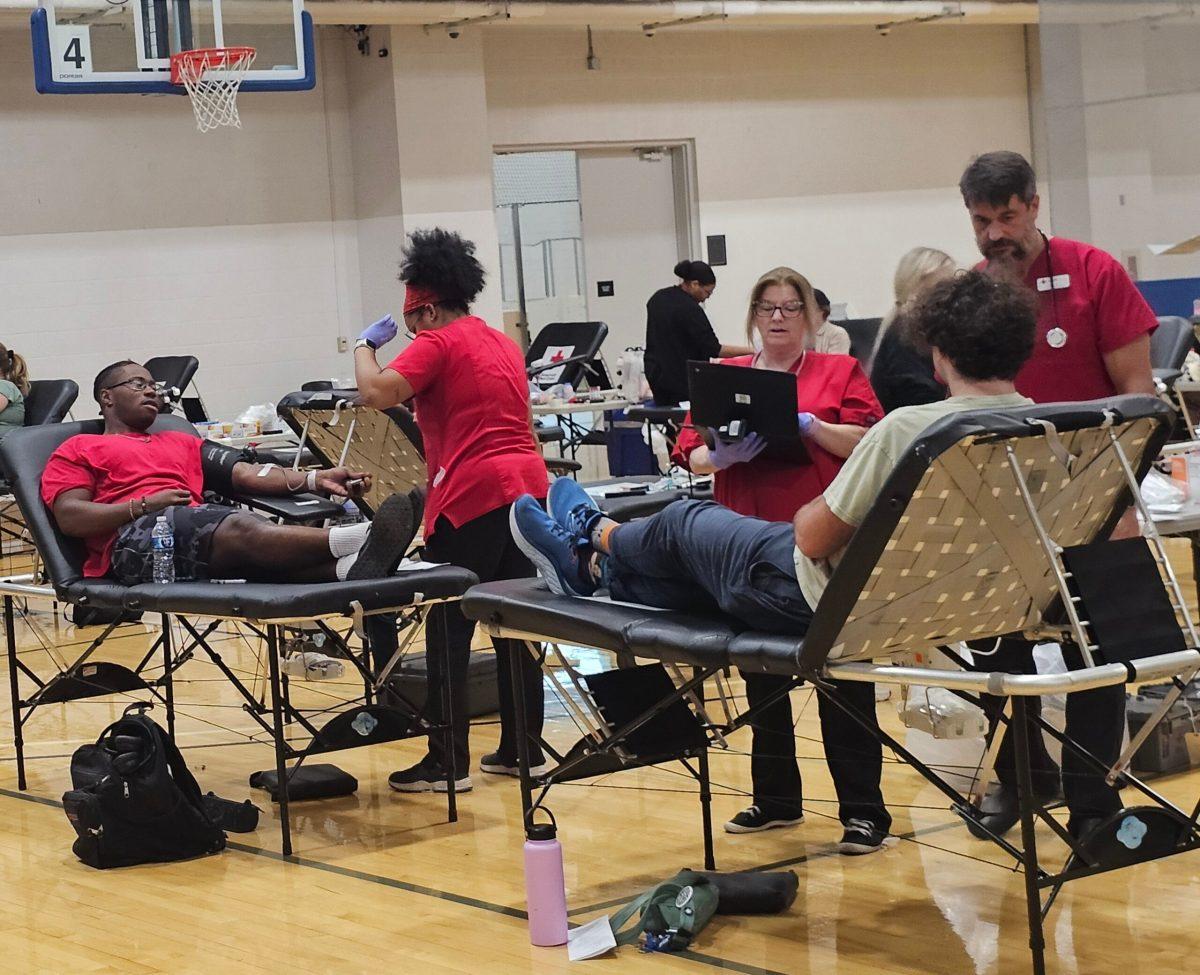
(837, 407)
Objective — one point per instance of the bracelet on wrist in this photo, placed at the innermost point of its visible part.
(310, 483)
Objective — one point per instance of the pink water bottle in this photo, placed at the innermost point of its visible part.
(545, 886)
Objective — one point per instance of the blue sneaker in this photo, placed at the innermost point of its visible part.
(550, 548)
(573, 508)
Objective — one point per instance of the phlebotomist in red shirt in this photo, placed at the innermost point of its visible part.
(838, 406)
(1093, 341)
(472, 405)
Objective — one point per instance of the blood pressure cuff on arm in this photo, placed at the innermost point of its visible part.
(217, 462)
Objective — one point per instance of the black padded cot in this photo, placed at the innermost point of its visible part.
(993, 523)
(264, 607)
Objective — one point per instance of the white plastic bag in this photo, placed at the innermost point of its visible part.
(631, 375)
(935, 710)
(1163, 495)
(1048, 658)
(262, 416)
(655, 439)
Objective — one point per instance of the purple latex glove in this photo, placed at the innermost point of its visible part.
(807, 421)
(725, 455)
(381, 332)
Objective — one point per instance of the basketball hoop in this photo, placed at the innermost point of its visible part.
(212, 76)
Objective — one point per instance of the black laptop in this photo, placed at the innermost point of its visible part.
(731, 401)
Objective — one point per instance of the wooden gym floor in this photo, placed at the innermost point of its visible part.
(381, 882)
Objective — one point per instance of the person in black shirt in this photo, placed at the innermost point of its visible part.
(678, 330)
(900, 373)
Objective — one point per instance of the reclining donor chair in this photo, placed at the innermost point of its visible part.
(262, 607)
(993, 523)
(49, 400)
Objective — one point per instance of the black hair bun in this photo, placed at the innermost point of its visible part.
(443, 262)
(695, 271)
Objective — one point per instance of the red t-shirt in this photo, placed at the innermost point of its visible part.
(116, 467)
(1096, 305)
(472, 403)
(832, 387)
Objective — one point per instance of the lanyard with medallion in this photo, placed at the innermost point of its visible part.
(1056, 336)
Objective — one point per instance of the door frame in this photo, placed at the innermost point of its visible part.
(683, 169)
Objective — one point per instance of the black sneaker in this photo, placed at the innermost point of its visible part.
(754, 820)
(392, 531)
(1082, 827)
(861, 836)
(497, 764)
(425, 778)
(1000, 811)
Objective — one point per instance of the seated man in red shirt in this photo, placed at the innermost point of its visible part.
(109, 490)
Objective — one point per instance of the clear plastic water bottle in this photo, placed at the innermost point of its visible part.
(162, 541)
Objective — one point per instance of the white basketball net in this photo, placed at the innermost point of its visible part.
(212, 78)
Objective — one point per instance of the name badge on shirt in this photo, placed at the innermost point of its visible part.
(1058, 282)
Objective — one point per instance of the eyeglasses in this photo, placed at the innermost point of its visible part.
(789, 309)
(137, 383)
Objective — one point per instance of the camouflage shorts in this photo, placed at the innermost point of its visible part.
(133, 553)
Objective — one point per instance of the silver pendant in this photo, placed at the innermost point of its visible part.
(1056, 338)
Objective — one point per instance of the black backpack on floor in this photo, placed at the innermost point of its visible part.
(134, 800)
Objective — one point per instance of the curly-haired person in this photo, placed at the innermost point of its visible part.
(699, 555)
(472, 404)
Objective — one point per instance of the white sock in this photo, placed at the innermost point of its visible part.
(343, 565)
(348, 539)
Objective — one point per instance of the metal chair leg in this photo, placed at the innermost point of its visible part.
(448, 731)
(1033, 895)
(710, 862)
(518, 660)
(280, 742)
(14, 690)
(168, 678)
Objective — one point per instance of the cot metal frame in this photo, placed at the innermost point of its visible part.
(850, 626)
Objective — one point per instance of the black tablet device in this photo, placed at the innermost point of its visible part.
(731, 401)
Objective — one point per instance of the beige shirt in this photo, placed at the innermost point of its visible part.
(853, 491)
(832, 338)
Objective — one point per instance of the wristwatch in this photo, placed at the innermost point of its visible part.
(366, 344)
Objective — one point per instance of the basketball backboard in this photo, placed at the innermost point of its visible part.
(115, 46)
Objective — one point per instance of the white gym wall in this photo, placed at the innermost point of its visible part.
(830, 149)
(125, 232)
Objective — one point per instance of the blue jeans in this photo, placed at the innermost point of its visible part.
(700, 556)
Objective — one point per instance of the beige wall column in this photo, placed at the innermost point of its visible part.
(444, 151)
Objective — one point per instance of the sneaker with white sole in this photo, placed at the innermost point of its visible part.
(755, 820)
(573, 508)
(861, 836)
(551, 549)
(497, 764)
(424, 778)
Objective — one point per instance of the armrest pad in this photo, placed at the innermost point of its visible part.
(296, 507)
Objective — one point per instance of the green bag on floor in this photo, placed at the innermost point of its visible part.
(671, 914)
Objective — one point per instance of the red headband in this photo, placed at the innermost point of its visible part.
(416, 297)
